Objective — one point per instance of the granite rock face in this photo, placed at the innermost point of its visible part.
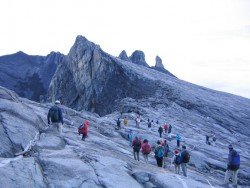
(93, 80)
(160, 67)
(105, 159)
(123, 56)
(138, 57)
(29, 76)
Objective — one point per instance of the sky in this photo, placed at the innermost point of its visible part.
(206, 42)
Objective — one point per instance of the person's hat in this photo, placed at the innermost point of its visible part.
(176, 151)
(184, 147)
(57, 102)
(230, 146)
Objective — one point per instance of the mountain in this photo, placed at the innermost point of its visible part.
(160, 67)
(97, 86)
(29, 76)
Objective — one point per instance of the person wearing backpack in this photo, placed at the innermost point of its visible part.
(233, 166)
(160, 130)
(178, 140)
(185, 157)
(159, 154)
(84, 129)
(145, 149)
(165, 126)
(136, 148)
(176, 160)
(55, 117)
(214, 140)
(166, 150)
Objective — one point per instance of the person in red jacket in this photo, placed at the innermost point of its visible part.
(145, 149)
(84, 129)
(136, 148)
(166, 128)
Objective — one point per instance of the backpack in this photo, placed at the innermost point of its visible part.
(54, 114)
(160, 129)
(149, 124)
(236, 160)
(186, 157)
(147, 150)
(177, 159)
(160, 152)
(137, 145)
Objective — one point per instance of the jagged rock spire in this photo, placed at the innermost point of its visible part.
(158, 62)
(138, 57)
(123, 55)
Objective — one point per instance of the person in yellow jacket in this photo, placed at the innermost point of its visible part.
(125, 121)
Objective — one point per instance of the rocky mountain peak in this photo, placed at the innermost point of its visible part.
(158, 62)
(138, 57)
(123, 55)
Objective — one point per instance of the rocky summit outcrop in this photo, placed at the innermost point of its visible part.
(27, 75)
(93, 80)
(160, 67)
(123, 56)
(138, 57)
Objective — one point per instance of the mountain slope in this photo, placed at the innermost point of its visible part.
(27, 75)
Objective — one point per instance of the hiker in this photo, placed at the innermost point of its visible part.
(178, 140)
(169, 129)
(232, 166)
(185, 157)
(165, 126)
(55, 117)
(157, 122)
(125, 121)
(166, 150)
(207, 139)
(130, 137)
(118, 123)
(214, 140)
(176, 160)
(137, 121)
(159, 154)
(145, 149)
(160, 130)
(136, 148)
(149, 125)
(84, 129)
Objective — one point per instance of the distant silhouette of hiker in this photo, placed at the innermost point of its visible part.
(118, 123)
(178, 140)
(233, 166)
(55, 117)
(166, 150)
(165, 126)
(136, 148)
(125, 121)
(214, 140)
(160, 130)
(169, 129)
(137, 121)
(145, 149)
(207, 139)
(130, 137)
(159, 154)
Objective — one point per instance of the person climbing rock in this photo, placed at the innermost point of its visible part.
(165, 126)
(207, 139)
(178, 140)
(233, 166)
(169, 129)
(176, 160)
(137, 121)
(125, 121)
(145, 149)
(160, 130)
(84, 129)
(55, 117)
(130, 137)
(185, 157)
(214, 140)
(159, 154)
(166, 150)
(118, 123)
(136, 148)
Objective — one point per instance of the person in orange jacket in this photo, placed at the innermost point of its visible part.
(84, 129)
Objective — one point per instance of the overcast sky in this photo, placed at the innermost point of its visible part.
(206, 42)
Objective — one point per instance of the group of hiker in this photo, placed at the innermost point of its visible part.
(180, 158)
